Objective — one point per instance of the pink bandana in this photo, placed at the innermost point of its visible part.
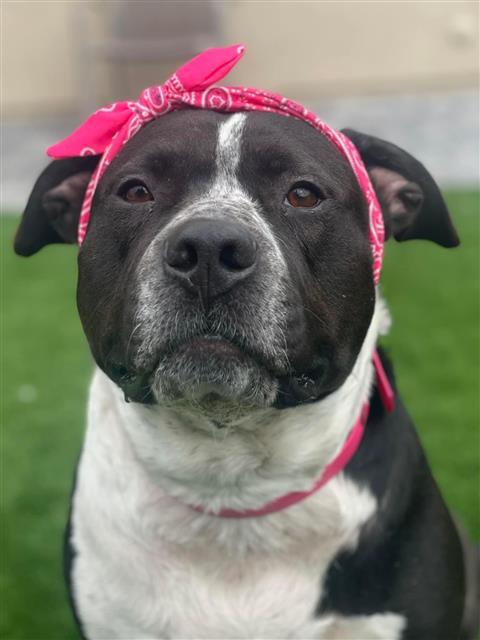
(108, 129)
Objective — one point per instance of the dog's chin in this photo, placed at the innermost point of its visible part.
(212, 376)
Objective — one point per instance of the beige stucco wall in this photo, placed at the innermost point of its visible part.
(37, 55)
(343, 47)
(303, 49)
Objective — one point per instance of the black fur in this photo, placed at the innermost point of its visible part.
(430, 219)
(389, 570)
(36, 229)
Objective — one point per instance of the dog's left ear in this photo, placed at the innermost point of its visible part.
(411, 201)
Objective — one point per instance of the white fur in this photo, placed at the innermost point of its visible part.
(228, 153)
(148, 566)
(264, 455)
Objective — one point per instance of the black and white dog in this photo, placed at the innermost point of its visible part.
(225, 288)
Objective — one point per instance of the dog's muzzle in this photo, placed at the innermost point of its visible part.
(209, 260)
(211, 309)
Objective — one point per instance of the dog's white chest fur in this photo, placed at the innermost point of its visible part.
(148, 566)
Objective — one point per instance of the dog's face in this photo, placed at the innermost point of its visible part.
(231, 258)
(227, 264)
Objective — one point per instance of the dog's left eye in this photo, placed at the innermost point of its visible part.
(303, 195)
(135, 192)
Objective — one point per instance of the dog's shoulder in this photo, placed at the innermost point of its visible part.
(399, 563)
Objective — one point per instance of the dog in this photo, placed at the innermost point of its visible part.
(225, 289)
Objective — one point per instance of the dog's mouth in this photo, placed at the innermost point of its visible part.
(201, 370)
(206, 346)
(217, 376)
(208, 371)
(215, 373)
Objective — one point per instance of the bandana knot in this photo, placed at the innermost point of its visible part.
(153, 102)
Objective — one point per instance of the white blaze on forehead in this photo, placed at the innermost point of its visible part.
(229, 143)
(227, 153)
(226, 187)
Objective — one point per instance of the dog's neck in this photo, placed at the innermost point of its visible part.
(265, 455)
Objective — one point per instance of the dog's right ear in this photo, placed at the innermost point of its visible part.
(53, 209)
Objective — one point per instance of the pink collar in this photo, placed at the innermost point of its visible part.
(106, 131)
(340, 461)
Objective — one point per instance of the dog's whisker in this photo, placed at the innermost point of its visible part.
(132, 333)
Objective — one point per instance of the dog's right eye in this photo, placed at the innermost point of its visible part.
(135, 192)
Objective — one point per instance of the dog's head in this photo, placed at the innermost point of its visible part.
(227, 264)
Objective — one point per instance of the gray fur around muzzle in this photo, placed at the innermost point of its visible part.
(211, 309)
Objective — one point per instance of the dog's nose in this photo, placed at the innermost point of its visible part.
(210, 257)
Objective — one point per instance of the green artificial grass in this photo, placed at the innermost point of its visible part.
(432, 293)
